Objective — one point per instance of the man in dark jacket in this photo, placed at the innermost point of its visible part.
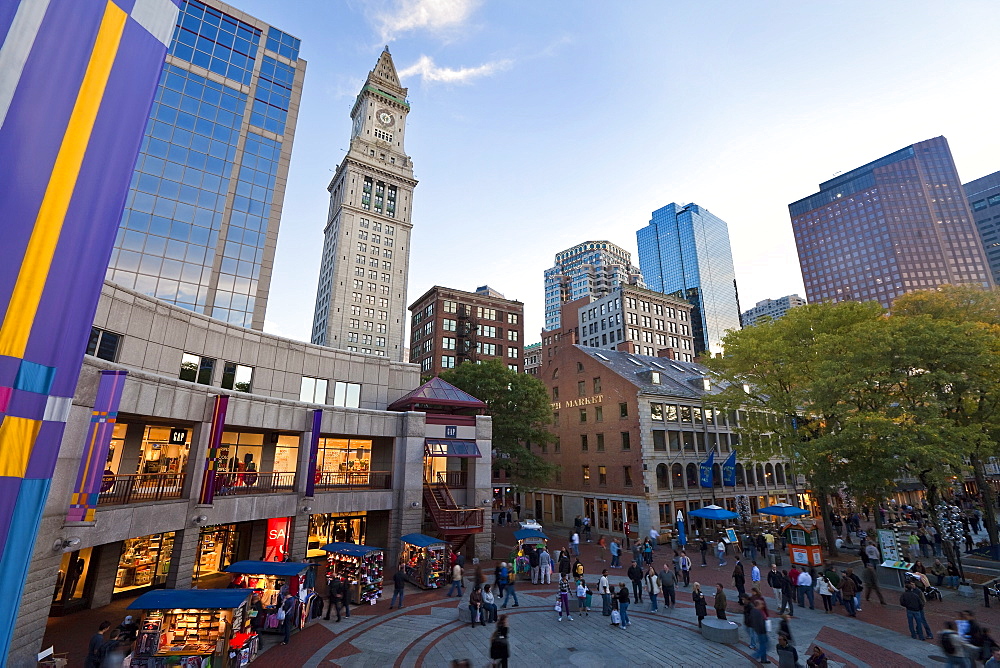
(398, 588)
(338, 598)
(740, 578)
(757, 622)
(787, 594)
(870, 579)
(914, 604)
(93, 659)
(704, 551)
(668, 583)
(533, 561)
(635, 575)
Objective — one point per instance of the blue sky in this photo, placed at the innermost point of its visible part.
(538, 125)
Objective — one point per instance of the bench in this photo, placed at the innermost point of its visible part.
(720, 630)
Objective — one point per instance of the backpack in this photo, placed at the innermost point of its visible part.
(948, 643)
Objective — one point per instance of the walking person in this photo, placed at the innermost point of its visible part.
(623, 602)
(456, 580)
(720, 552)
(747, 606)
(652, 582)
(287, 614)
(564, 598)
(685, 564)
(825, 589)
(574, 543)
(858, 586)
(914, 604)
(848, 589)
(337, 592)
(720, 601)
(870, 580)
(758, 622)
(398, 588)
(604, 589)
(535, 563)
(635, 575)
(603, 545)
(581, 597)
(616, 551)
(788, 656)
(787, 594)
(668, 583)
(700, 607)
(754, 575)
(544, 567)
(739, 579)
(703, 547)
(955, 648)
(476, 612)
(805, 585)
(97, 641)
(499, 645)
(565, 567)
(774, 581)
(510, 587)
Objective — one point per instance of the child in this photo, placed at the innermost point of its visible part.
(564, 598)
(581, 595)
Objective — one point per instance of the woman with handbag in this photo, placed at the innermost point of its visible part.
(563, 605)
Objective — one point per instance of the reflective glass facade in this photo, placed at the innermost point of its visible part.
(984, 199)
(685, 252)
(897, 224)
(201, 219)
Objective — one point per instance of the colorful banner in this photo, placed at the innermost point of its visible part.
(83, 504)
(76, 83)
(214, 445)
(729, 470)
(311, 476)
(705, 476)
(276, 543)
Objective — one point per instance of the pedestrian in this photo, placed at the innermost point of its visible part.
(870, 580)
(565, 567)
(818, 658)
(287, 615)
(623, 602)
(825, 589)
(774, 581)
(604, 589)
(668, 582)
(654, 537)
(720, 552)
(581, 597)
(720, 601)
(651, 582)
(914, 604)
(476, 612)
(510, 587)
(500, 578)
(848, 589)
(787, 594)
(635, 576)
(700, 608)
(564, 598)
(788, 656)
(456, 580)
(97, 640)
(981, 643)
(128, 630)
(534, 562)
(647, 552)
(112, 653)
(398, 588)
(574, 543)
(739, 578)
(785, 627)
(489, 604)
(758, 622)
(955, 648)
(994, 661)
(544, 566)
(703, 547)
(603, 545)
(805, 585)
(636, 550)
(337, 592)
(858, 586)
(587, 529)
(685, 564)
(754, 575)
(499, 646)
(615, 550)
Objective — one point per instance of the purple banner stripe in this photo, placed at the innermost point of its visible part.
(27, 405)
(42, 464)
(218, 425)
(317, 424)
(95, 448)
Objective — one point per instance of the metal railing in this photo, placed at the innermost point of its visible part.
(118, 490)
(454, 479)
(228, 483)
(354, 480)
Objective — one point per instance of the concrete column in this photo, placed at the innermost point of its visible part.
(407, 480)
(201, 436)
(481, 487)
(258, 539)
(105, 573)
(298, 540)
(182, 558)
(302, 464)
(132, 449)
(266, 462)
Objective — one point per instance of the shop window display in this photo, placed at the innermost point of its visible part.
(217, 547)
(144, 562)
(343, 461)
(334, 528)
(159, 455)
(360, 566)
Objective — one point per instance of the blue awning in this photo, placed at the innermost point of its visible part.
(352, 549)
(421, 540)
(451, 447)
(191, 599)
(528, 534)
(279, 568)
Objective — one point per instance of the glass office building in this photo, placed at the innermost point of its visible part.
(685, 252)
(984, 198)
(898, 224)
(201, 220)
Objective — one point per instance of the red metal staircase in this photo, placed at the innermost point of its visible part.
(454, 523)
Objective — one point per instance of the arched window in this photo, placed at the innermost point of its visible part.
(661, 477)
(769, 473)
(779, 473)
(750, 477)
(761, 480)
(692, 476)
(716, 475)
(740, 475)
(677, 476)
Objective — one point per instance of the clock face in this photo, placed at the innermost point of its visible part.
(385, 118)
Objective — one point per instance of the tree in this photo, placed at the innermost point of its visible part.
(519, 406)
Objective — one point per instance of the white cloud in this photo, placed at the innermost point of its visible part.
(432, 15)
(428, 71)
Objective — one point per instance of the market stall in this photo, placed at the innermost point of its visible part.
(804, 548)
(268, 578)
(194, 628)
(360, 566)
(424, 560)
(525, 537)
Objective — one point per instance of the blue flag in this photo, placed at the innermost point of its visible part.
(729, 470)
(705, 470)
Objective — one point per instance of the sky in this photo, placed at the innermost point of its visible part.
(538, 125)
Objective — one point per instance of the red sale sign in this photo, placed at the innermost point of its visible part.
(276, 545)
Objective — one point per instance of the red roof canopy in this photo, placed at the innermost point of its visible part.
(437, 393)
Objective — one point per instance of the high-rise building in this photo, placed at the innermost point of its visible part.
(449, 327)
(366, 246)
(201, 221)
(771, 309)
(591, 269)
(685, 252)
(651, 323)
(984, 199)
(533, 358)
(898, 224)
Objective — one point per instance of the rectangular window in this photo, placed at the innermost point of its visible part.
(512, 318)
(623, 409)
(349, 394)
(659, 440)
(581, 388)
(448, 343)
(627, 473)
(670, 413)
(602, 475)
(447, 362)
(656, 412)
(685, 414)
(512, 334)
(586, 474)
(597, 385)
(313, 390)
(584, 443)
(448, 325)
(512, 352)
(103, 344)
(197, 369)
(583, 415)
(627, 440)
(555, 393)
(598, 413)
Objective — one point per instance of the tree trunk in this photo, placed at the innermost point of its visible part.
(951, 550)
(989, 507)
(824, 509)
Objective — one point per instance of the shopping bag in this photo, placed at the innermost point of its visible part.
(616, 617)
(558, 607)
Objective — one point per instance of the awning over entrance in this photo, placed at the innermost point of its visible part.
(451, 447)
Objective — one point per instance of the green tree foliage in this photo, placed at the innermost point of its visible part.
(519, 406)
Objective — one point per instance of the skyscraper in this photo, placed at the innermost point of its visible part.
(366, 246)
(685, 252)
(770, 308)
(984, 198)
(898, 224)
(201, 220)
(593, 269)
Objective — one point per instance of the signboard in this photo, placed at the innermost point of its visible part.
(731, 536)
(800, 555)
(451, 431)
(276, 544)
(178, 436)
(890, 546)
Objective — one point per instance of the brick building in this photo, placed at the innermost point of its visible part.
(450, 326)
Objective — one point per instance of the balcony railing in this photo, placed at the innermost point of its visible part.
(229, 483)
(454, 479)
(345, 480)
(118, 490)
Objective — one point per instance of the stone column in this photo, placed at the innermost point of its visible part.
(182, 558)
(105, 573)
(298, 539)
(407, 480)
(201, 435)
(481, 487)
(132, 449)
(258, 540)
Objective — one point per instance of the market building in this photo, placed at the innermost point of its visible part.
(193, 443)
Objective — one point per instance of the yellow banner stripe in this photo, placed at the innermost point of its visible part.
(41, 248)
(17, 437)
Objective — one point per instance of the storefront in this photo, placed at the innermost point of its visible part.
(267, 578)
(343, 461)
(361, 567)
(163, 450)
(218, 546)
(144, 562)
(424, 560)
(246, 452)
(71, 590)
(335, 528)
(194, 628)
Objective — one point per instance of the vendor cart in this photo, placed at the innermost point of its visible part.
(361, 567)
(267, 578)
(424, 560)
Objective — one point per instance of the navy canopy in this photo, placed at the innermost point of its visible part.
(451, 447)
(285, 569)
(191, 599)
(421, 540)
(713, 512)
(527, 534)
(352, 549)
(783, 510)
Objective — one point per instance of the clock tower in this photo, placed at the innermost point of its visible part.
(360, 300)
